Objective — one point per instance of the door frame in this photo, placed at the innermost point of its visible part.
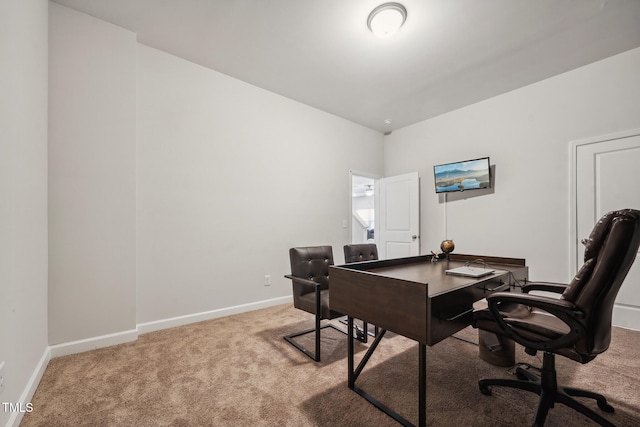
(573, 200)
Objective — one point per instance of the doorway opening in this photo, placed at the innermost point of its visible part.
(363, 208)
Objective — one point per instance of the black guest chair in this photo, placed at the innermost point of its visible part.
(310, 277)
(576, 326)
(358, 252)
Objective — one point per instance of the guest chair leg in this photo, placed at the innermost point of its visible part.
(317, 359)
(315, 356)
(318, 318)
(361, 334)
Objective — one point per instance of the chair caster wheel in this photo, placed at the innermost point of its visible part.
(606, 407)
(485, 390)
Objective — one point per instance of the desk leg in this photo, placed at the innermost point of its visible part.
(350, 350)
(422, 385)
(355, 372)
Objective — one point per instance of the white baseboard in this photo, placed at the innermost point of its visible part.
(93, 343)
(16, 417)
(626, 316)
(80, 346)
(208, 315)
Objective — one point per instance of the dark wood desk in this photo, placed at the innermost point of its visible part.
(414, 297)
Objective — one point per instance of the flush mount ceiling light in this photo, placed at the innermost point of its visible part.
(386, 19)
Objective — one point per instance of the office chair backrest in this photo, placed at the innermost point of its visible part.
(609, 253)
(360, 252)
(310, 263)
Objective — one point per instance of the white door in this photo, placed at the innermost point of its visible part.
(398, 216)
(607, 177)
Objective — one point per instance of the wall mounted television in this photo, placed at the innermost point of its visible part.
(462, 176)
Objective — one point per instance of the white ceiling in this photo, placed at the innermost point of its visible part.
(449, 53)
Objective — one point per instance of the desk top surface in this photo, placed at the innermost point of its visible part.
(413, 296)
(422, 270)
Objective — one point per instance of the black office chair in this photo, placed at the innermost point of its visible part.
(310, 277)
(577, 325)
(358, 252)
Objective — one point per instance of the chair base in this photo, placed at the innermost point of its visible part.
(360, 331)
(313, 355)
(550, 393)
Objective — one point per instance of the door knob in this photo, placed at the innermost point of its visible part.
(414, 237)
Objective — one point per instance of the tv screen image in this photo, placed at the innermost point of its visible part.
(461, 176)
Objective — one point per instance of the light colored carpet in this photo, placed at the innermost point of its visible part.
(239, 371)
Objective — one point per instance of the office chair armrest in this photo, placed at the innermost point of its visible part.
(544, 286)
(302, 281)
(564, 310)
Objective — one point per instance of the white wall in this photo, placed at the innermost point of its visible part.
(23, 199)
(527, 134)
(92, 257)
(229, 177)
(178, 203)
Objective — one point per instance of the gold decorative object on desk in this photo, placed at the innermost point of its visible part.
(447, 246)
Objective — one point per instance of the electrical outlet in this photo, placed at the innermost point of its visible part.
(267, 280)
(1, 377)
